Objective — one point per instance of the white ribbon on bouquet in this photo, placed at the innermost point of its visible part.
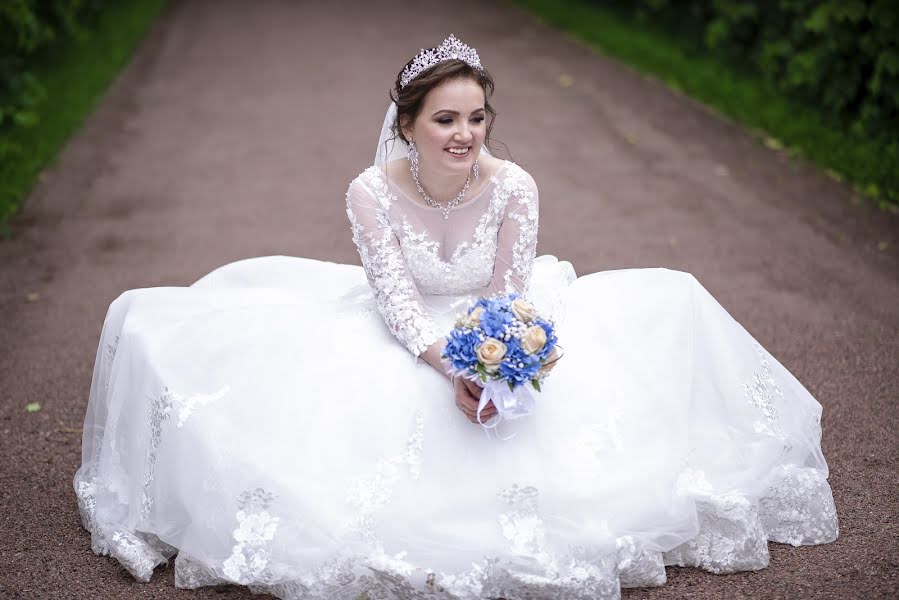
(510, 404)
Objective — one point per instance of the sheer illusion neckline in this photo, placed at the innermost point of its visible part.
(399, 191)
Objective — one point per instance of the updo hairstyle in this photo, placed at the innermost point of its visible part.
(410, 99)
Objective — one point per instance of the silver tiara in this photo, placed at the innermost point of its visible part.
(450, 49)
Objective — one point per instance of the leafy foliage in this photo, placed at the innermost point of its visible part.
(27, 27)
(837, 57)
(56, 57)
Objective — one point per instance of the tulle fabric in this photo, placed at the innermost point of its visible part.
(265, 426)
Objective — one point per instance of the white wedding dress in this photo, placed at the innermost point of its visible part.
(272, 426)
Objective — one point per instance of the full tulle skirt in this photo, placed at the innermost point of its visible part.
(264, 428)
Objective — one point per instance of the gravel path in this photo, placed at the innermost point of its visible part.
(234, 133)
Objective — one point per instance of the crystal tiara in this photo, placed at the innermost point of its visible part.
(450, 49)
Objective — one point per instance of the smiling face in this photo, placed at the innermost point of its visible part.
(451, 126)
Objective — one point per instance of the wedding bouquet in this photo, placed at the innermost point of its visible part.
(505, 346)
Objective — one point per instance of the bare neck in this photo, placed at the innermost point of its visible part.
(398, 173)
(441, 187)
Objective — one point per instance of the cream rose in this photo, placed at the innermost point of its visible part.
(491, 352)
(524, 310)
(533, 340)
(470, 321)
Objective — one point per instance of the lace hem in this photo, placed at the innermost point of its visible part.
(733, 534)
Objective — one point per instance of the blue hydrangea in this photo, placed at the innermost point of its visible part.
(495, 319)
(480, 302)
(511, 372)
(515, 352)
(460, 348)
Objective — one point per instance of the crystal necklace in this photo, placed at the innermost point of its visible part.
(431, 202)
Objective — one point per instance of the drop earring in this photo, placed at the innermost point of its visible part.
(475, 169)
(412, 155)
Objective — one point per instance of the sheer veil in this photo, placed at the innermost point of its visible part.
(389, 149)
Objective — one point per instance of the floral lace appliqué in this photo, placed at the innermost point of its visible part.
(764, 394)
(730, 538)
(469, 268)
(138, 553)
(255, 529)
(580, 573)
(159, 411)
(799, 508)
(638, 567)
(370, 493)
(188, 404)
(395, 293)
(111, 349)
(522, 524)
(525, 247)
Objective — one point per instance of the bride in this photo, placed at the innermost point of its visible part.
(289, 424)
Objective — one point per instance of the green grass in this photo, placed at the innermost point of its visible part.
(74, 75)
(870, 164)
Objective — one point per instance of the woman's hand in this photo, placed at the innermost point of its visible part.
(468, 395)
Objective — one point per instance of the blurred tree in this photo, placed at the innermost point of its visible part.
(839, 55)
(28, 27)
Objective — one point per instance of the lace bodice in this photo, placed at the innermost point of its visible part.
(408, 249)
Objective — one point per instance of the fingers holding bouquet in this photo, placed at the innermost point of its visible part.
(468, 395)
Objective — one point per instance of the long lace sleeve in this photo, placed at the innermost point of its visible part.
(517, 236)
(397, 296)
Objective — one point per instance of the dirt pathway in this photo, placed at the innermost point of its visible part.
(235, 132)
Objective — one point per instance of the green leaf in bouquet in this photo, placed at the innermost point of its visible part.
(536, 383)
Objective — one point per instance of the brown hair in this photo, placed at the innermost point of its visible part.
(410, 99)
